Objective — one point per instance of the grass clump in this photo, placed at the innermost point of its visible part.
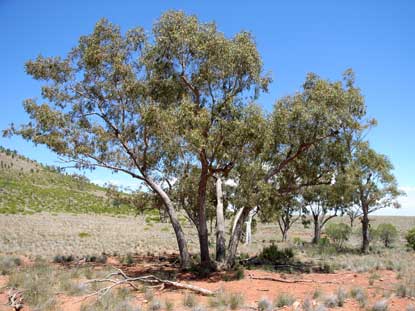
(116, 300)
(341, 296)
(219, 301)
(284, 300)
(381, 305)
(331, 301)
(360, 295)
(190, 300)
(235, 301)
(37, 282)
(264, 305)
(169, 305)
(154, 305)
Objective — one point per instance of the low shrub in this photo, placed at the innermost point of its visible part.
(8, 264)
(63, 258)
(338, 233)
(387, 233)
(273, 255)
(410, 238)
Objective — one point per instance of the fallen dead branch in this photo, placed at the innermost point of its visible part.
(15, 299)
(119, 278)
(274, 279)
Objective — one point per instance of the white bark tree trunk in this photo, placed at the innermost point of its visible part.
(220, 222)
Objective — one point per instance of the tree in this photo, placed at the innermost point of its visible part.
(323, 112)
(148, 108)
(100, 112)
(213, 78)
(353, 212)
(374, 185)
(387, 233)
(289, 214)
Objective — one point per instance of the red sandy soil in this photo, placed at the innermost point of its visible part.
(254, 290)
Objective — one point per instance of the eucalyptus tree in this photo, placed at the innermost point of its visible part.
(324, 112)
(99, 111)
(373, 183)
(212, 78)
(147, 107)
(321, 202)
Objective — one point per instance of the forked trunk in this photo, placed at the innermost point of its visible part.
(220, 223)
(180, 237)
(236, 236)
(285, 235)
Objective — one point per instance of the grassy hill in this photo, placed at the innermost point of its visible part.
(28, 187)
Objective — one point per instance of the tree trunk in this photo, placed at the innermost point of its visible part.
(317, 230)
(352, 222)
(202, 224)
(220, 223)
(235, 236)
(365, 232)
(284, 225)
(285, 234)
(248, 233)
(180, 237)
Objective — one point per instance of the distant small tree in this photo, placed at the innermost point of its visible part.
(353, 212)
(374, 186)
(338, 233)
(387, 233)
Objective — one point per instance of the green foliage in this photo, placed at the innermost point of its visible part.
(47, 189)
(273, 255)
(8, 264)
(84, 235)
(63, 259)
(128, 260)
(338, 233)
(410, 238)
(387, 233)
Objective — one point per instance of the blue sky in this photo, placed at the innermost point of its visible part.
(375, 38)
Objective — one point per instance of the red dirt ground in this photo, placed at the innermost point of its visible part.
(254, 290)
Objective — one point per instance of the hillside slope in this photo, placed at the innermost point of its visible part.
(29, 187)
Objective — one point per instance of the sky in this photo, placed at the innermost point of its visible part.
(375, 38)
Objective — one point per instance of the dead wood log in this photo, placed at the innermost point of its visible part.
(15, 299)
(120, 278)
(274, 279)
